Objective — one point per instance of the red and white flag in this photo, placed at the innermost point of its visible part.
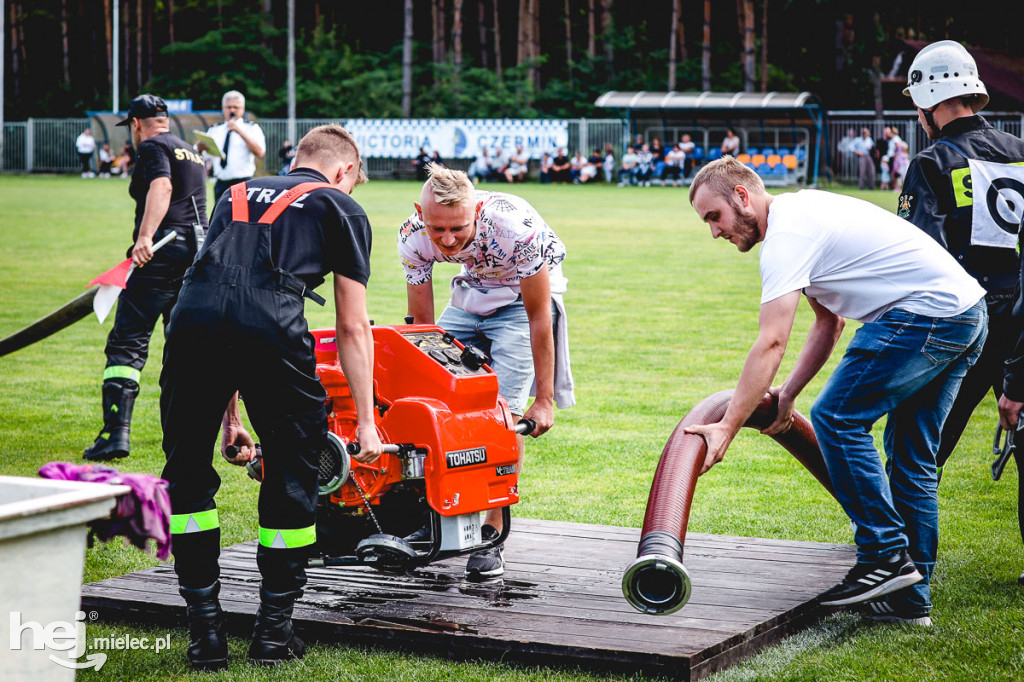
(114, 280)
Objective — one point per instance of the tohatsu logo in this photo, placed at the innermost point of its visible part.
(465, 458)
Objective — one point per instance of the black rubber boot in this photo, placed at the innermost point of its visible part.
(118, 400)
(273, 639)
(208, 645)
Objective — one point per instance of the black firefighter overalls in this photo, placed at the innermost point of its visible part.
(239, 326)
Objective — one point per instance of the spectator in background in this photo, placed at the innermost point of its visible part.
(106, 160)
(731, 143)
(883, 171)
(518, 165)
(286, 154)
(435, 158)
(638, 142)
(892, 142)
(847, 158)
(900, 163)
(674, 164)
(561, 168)
(644, 166)
(545, 169)
(499, 163)
(242, 143)
(591, 167)
(85, 145)
(658, 156)
(609, 162)
(688, 148)
(576, 165)
(481, 168)
(421, 162)
(627, 168)
(124, 164)
(862, 148)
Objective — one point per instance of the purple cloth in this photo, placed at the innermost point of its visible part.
(139, 516)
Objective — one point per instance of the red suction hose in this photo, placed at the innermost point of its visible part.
(656, 582)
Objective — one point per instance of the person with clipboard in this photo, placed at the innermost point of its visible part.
(240, 143)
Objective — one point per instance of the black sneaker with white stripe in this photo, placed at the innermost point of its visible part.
(882, 611)
(486, 563)
(866, 581)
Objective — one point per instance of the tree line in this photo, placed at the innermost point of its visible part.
(460, 58)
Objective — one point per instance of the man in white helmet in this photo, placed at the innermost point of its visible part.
(965, 191)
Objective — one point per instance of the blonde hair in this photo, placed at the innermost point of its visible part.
(449, 187)
(328, 144)
(722, 175)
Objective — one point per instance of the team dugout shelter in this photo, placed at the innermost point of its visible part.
(782, 134)
(182, 123)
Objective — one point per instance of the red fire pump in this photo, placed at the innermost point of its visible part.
(451, 453)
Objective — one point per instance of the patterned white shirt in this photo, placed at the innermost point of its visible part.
(512, 242)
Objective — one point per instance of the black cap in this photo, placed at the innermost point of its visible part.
(145, 106)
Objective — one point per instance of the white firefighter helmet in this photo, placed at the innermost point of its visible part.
(942, 71)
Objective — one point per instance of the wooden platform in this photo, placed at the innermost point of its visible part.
(559, 603)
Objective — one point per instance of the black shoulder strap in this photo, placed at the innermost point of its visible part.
(954, 148)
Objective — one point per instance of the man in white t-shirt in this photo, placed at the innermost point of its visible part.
(924, 326)
(241, 142)
(501, 301)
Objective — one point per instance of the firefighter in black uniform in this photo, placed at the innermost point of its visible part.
(239, 327)
(169, 189)
(955, 191)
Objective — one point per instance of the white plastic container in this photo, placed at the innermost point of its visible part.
(42, 555)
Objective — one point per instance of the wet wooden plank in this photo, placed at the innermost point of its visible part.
(559, 603)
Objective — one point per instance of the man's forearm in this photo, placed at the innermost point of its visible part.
(157, 202)
(232, 415)
(821, 341)
(759, 370)
(355, 351)
(543, 347)
(420, 301)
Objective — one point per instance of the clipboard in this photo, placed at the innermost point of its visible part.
(211, 147)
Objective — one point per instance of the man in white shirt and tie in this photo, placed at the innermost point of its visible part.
(240, 141)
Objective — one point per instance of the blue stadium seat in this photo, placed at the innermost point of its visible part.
(698, 153)
(768, 151)
(753, 151)
(714, 153)
(783, 151)
(780, 170)
(763, 169)
(801, 153)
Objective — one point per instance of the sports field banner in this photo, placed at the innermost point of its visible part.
(456, 138)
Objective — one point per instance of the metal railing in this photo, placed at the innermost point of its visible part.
(840, 123)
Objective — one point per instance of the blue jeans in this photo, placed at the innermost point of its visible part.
(909, 367)
(505, 336)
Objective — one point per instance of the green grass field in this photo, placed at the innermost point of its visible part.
(660, 317)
